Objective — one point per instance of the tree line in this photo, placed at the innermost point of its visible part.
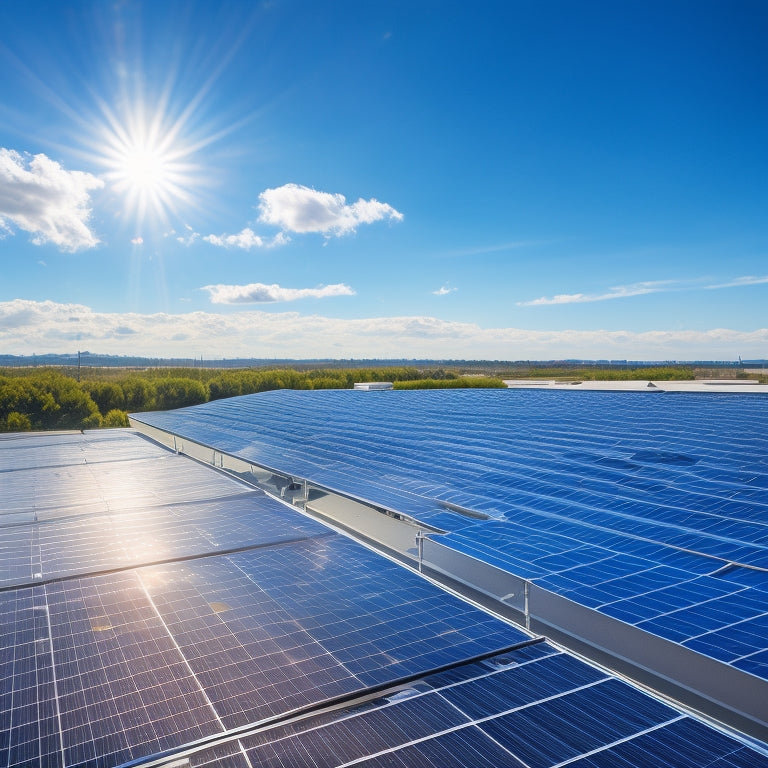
(51, 399)
(66, 398)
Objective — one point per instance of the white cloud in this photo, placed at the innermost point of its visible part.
(29, 326)
(738, 282)
(137, 240)
(188, 239)
(258, 293)
(295, 208)
(617, 292)
(443, 291)
(639, 289)
(246, 240)
(38, 196)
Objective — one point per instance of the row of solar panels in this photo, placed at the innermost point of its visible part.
(634, 504)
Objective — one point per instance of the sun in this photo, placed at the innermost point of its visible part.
(144, 169)
(149, 164)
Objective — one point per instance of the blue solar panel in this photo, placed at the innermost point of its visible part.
(206, 606)
(530, 707)
(136, 508)
(571, 481)
(683, 744)
(29, 731)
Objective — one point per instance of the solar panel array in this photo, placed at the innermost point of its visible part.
(532, 707)
(209, 615)
(649, 507)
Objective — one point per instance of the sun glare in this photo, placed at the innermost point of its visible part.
(144, 169)
(148, 161)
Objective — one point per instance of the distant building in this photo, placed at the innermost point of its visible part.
(370, 386)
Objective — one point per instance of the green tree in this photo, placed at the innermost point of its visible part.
(178, 393)
(139, 393)
(17, 422)
(49, 400)
(108, 395)
(225, 385)
(115, 418)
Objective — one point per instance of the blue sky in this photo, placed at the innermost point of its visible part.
(491, 180)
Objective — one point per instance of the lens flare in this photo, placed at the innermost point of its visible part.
(147, 159)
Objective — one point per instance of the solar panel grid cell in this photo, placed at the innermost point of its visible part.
(28, 712)
(88, 542)
(378, 729)
(755, 663)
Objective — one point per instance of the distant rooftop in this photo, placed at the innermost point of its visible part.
(370, 386)
(699, 385)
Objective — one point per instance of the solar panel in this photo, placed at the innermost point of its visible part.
(127, 508)
(607, 498)
(531, 707)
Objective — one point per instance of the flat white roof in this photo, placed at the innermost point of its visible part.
(700, 385)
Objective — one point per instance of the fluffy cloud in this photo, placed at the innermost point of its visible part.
(40, 197)
(258, 293)
(295, 208)
(246, 240)
(443, 291)
(27, 326)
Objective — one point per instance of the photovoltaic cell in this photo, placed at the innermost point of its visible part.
(124, 690)
(29, 732)
(300, 622)
(378, 729)
(450, 750)
(685, 743)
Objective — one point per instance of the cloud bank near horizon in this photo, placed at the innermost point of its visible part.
(28, 327)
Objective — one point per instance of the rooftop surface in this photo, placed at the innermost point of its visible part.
(155, 611)
(699, 385)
